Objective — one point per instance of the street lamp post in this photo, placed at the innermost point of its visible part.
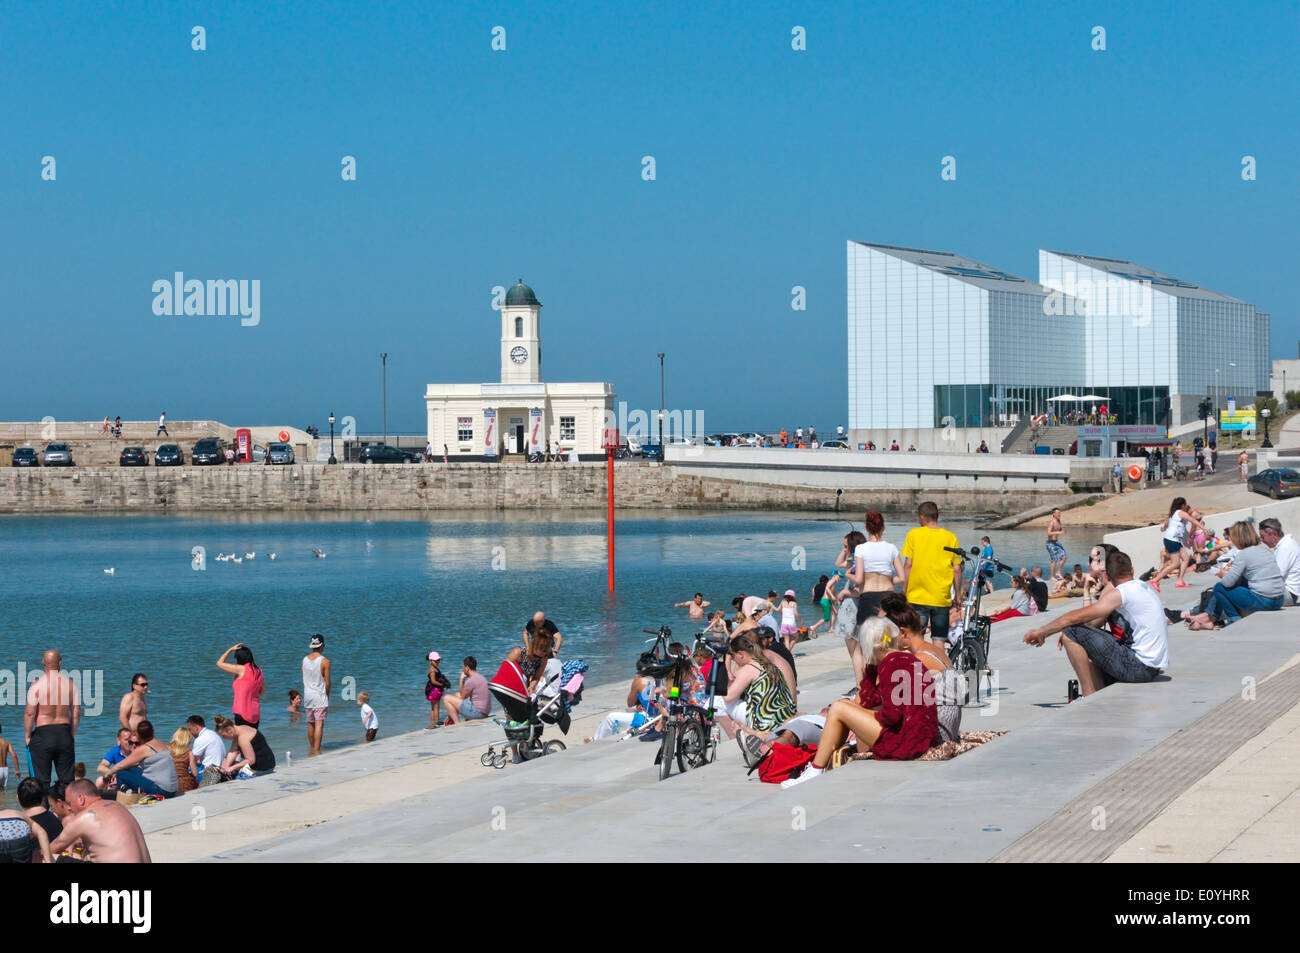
(1267, 444)
(661, 401)
(333, 459)
(384, 360)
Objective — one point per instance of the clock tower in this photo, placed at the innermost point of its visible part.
(521, 346)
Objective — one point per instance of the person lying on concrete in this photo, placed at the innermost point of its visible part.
(1097, 656)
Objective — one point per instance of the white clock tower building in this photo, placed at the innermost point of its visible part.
(521, 346)
(520, 414)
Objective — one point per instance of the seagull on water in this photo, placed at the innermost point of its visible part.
(318, 554)
(235, 559)
(270, 555)
(250, 555)
(110, 570)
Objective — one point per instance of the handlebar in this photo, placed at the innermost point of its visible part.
(954, 549)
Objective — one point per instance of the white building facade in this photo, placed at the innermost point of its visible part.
(520, 414)
(936, 340)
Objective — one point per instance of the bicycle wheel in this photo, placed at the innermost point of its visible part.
(692, 746)
(501, 760)
(666, 749)
(552, 747)
(488, 757)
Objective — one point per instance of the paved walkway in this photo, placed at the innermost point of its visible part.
(392, 799)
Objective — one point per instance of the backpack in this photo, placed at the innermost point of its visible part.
(784, 761)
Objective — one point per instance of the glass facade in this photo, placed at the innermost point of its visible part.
(932, 335)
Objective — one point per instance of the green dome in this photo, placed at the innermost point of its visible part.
(521, 294)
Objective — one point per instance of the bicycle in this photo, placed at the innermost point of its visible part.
(688, 731)
(970, 653)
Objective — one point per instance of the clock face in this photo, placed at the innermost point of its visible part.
(519, 355)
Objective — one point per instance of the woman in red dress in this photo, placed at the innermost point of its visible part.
(904, 724)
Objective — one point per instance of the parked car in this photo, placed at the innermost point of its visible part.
(1277, 483)
(26, 457)
(168, 455)
(133, 457)
(259, 453)
(750, 437)
(280, 453)
(383, 453)
(58, 455)
(835, 445)
(207, 452)
(652, 451)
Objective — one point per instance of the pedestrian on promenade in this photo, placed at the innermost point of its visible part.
(369, 720)
(1243, 465)
(50, 721)
(928, 578)
(444, 454)
(107, 829)
(162, 425)
(6, 752)
(134, 709)
(472, 699)
(1117, 477)
(315, 692)
(1055, 551)
(249, 685)
(434, 687)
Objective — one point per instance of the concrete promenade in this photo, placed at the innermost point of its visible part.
(1183, 768)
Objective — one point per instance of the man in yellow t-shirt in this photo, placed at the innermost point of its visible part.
(928, 578)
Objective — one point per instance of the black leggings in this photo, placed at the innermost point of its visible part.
(869, 604)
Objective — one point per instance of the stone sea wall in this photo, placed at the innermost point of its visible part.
(308, 488)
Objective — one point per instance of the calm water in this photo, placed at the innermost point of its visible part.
(389, 590)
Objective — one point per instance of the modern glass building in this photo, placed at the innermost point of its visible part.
(936, 339)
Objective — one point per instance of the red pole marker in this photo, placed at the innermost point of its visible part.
(611, 443)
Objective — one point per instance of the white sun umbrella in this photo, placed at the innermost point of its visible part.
(1092, 397)
(1064, 397)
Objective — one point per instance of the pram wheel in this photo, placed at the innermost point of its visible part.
(501, 760)
(488, 757)
(553, 747)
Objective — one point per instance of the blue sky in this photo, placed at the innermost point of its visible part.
(477, 167)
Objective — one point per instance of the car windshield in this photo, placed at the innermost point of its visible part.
(58, 447)
(279, 447)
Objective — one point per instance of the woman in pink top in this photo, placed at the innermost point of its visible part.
(249, 685)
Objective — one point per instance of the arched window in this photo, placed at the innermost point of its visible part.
(519, 327)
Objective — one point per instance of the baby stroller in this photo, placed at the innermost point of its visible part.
(527, 716)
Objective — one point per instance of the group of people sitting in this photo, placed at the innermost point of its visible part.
(1258, 569)
(196, 756)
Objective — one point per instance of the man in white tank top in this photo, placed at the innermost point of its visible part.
(1098, 657)
(315, 692)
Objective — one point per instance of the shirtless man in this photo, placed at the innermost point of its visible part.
(50, 721)
(695, 607)
(6, 752)
(134, 709)
(1055, 551)
(110, 833)
(1243, 465)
